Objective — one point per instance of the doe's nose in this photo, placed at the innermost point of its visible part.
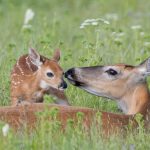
(69, 72)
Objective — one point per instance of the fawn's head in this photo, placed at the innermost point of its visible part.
(49, 72)
(112, 81)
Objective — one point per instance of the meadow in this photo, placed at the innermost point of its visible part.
(88, 32)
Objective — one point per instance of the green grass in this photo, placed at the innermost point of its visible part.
(56, 24)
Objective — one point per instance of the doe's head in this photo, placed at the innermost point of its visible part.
(49, 71)
(112, 81)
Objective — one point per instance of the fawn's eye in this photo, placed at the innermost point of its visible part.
(112, 72)
(50, 74)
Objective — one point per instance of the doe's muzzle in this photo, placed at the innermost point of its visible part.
(69, 73)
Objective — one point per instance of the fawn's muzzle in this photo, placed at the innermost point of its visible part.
(63, 85)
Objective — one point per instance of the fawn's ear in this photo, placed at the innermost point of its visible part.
(35, 57)
(144, 67)
(56, 55)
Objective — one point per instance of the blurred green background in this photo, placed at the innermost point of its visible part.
(122, 35)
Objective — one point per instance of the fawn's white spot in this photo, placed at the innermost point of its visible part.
(27, 62)
(14, 83)
(22, 72)
(14, 74)
(19, 67)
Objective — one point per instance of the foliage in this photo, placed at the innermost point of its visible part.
(121, 35)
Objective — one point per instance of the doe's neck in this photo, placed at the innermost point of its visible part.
(136, 100)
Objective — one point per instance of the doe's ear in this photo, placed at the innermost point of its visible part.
(144, 67)
(56, 55)
(35, 57)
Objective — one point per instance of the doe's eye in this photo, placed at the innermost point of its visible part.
(50, 74)
(112, 72)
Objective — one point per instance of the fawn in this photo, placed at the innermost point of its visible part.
(123, 83)
(120, 82)
(35, 75)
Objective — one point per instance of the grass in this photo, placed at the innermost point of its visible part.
(56, 24)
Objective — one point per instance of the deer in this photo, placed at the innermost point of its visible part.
(120, 82)
(126, 84)
(25, 117)
(34, 75)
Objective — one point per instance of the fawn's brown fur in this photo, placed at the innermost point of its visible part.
(34, 75)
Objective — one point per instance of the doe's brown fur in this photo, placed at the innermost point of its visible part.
(123, 83)
(20, 116)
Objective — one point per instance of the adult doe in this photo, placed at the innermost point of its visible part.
(123, 83)
(35, 75)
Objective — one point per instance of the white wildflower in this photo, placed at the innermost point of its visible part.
(113, 33)
(146, 43)
(81, 27)
(27, 26)
(132, 147)
(106, 22)
(118, 40)
(142, 33)
(121, 34)
(28, 16)
(85, 24)
(136, 27)
(5, 129)
(94, 23)
(87, 20)
(90, 20)
(103, 20)
(112, 16)
(118, 34)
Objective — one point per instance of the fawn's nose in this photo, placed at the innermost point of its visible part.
(63, 85)
(69, 73)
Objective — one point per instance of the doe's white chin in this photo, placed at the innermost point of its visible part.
(92, 91)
